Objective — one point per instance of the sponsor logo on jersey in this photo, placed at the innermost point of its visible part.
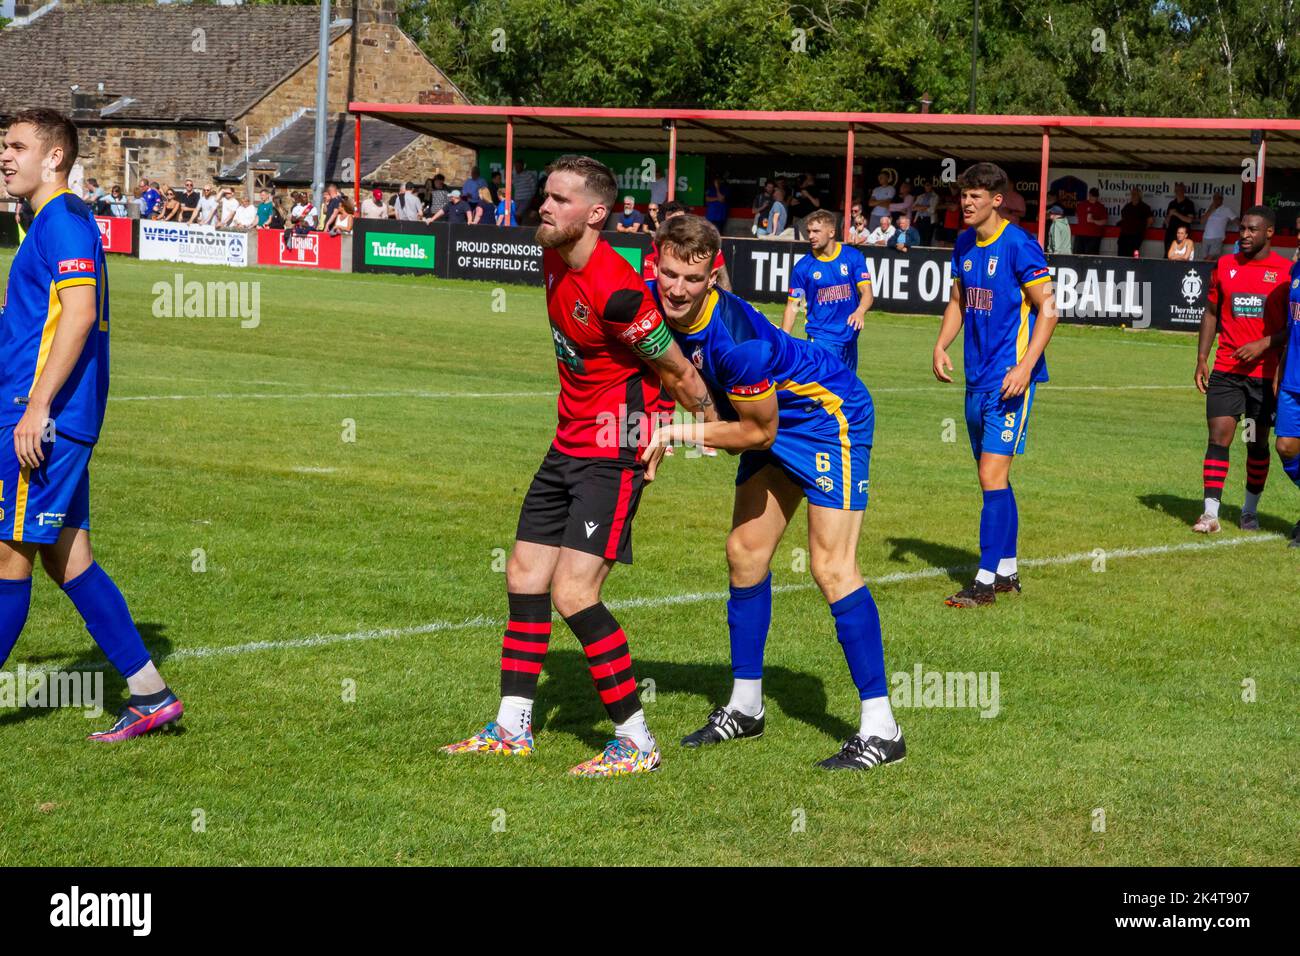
(50, 519)
(834, 293)
(979, 299)
(863, 484)
(825, 484)
(1270, 275)
(581, 313)
(1248, 305)
(591, 527)
(76, 265)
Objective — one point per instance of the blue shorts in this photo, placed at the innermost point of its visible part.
(846, 352)
(35, 506)
(833, 472)
(996, 426)
(1288, 414)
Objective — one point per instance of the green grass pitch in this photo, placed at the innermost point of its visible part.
(366, 569)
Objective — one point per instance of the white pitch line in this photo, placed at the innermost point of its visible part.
(668, 600)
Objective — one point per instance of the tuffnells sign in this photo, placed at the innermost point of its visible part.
(400, 251)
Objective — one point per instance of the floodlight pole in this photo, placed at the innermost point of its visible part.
(356, 167)
(1259, 170)
(1042, 186)
(672, 160)
(322, 103)
(974, 53)
(510, 166)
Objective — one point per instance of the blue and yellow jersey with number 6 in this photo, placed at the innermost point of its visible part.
(62, 250)
(825, 420)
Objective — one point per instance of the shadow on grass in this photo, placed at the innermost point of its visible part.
(1187, 510)
(92, 661)
(567, 700)
(958, 563)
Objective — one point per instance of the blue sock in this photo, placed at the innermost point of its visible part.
(993, 528)
(857, 625)
(1013, 525)
(15, 599)
(749, 615)
(1292, 468)
(107, 618)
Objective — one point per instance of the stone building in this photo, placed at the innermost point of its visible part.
(171, 91)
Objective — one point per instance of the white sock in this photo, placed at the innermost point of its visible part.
(747, 697)
(1251, 505)
(635, 729)
(515, 715)
(1212, 507)
(1007, 567)
(984, 577)
(877, 719)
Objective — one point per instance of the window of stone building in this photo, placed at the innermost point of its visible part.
(132, 167)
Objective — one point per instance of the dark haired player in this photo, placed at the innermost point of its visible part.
(1246, 308)
(1286, 385)
(834, 284)
(803, 424)
(53, 391)
(613, 351)
(1002, 292)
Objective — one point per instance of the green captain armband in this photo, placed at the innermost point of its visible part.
(656, 342)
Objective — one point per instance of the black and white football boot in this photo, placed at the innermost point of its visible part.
(726, 725)
(859, 754)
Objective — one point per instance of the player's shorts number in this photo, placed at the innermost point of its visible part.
(823, 461)
(1009, 421)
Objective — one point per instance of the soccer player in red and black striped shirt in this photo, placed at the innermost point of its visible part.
(1246, 307)
(616, 358)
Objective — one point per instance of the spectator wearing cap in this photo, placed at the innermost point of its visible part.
(457, 212)
(406, 206)
(1060, 241)
(629, 220)
(373, 206)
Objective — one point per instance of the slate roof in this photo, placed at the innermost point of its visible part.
(293, 147)
(142, 54)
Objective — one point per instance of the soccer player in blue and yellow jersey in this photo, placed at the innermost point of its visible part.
(1286, 386)
(835, 285)
(1002, 292)
(803, 424)
(53, 389)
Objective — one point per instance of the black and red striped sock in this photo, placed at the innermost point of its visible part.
(608, 659)
(523, 648)
(1215, 470)
(1257, 461)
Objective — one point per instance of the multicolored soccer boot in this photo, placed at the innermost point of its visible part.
(619, 758)
(1006, 584)
(139, 719)
(493, 739)
(975, 595)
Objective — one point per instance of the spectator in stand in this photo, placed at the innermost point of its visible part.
(903, 202)
(457, 211)
(485, 210)
(344, 217)
(152, 199)
(228, 207)
(881, 197)
(506, 211)
(1182, 248)
(135, 205)
(1134, 220)
(245, 218)
(762, 203)
(1013, 206)
(652, 220)
(857, 226)
(495, 186)
(190, 200)
(923, 208)
(406, 206)
(205, 210)
(883, 234)
(905, 236)
(1092, 220)
(117, 203)
(302, 216)
(948, 209)
(91, 194)
(171, 210)
(1181, 211)
(265, 210)
(332, 198)
(373, 206)
(715, 203)
(278, 217)
(1059, 239)
(659, 189)
(629, 220)
(524, 185)
(1217, 218)
(776, 225)
(470, 187)
(804, 202)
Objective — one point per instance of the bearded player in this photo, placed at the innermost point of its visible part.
(54, 332)
(834, 284)
(1002, 293)
(613, 351)
(1246, 308)
(803, 425)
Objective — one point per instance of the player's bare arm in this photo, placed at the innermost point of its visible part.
(791, 313)
(1042, 298)
(1209, 329)
(755, 431)
(79, 315)
(859, 317)
(953, 316)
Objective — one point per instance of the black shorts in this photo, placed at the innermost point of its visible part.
(586, 504)
(1228, 395)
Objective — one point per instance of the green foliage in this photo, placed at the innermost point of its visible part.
(1171, 57)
